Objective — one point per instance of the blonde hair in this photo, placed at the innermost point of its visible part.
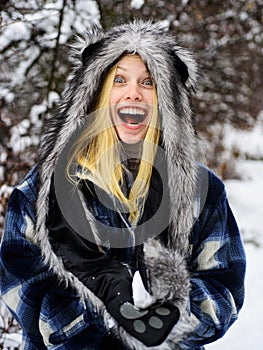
(98, 153)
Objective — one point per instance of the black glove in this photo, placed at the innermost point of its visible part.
(151, 326)
(111, 282)
(107, 278)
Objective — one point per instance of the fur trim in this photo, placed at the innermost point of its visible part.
(169, 64)
(167, 274)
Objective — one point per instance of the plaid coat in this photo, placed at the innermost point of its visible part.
(55, 316)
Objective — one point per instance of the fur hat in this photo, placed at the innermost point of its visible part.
(175, 73)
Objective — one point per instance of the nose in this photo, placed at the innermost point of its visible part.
(133, 93)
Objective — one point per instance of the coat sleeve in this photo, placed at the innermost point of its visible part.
(48, 312)
(218, 269)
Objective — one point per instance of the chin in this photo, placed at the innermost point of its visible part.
(131, 139)
(128, 138)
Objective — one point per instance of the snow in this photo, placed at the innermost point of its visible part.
(11, 341)
(18, 30)
(77, 17)
(248, 142)
(246, 200)
(137, 4)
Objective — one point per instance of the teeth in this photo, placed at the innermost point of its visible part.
(132, 124)
(132, 111)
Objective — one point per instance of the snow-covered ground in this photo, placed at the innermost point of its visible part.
(246, 200)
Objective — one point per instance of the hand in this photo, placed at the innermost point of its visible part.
(111, 281)
(151, 326)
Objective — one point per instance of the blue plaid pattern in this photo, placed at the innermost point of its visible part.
(54, 317)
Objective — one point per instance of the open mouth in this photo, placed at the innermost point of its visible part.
(132, 116)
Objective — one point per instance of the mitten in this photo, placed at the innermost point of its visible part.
(111, 281)
(151, 325)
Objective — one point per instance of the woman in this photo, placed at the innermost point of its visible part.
(118, 238)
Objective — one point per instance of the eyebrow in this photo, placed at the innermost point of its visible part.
(120, 67)
(125, 69)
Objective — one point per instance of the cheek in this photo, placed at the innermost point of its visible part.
(149, 98)
(114, 97)
(111, 99)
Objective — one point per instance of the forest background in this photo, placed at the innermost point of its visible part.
(225, 36)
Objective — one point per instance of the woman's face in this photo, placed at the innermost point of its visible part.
(131, 99)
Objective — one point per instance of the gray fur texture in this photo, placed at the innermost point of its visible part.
(162, 264)
(92, 57)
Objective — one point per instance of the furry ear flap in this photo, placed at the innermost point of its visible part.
(180, 67)
(91, 51)
(186, 66)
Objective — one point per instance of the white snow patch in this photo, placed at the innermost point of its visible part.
(137, 4)
(248, 142)
(12, 341)
(14, 31)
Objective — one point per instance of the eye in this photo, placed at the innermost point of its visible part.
(148, 82)
(119, 80)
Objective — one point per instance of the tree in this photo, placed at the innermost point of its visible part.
(34, 65)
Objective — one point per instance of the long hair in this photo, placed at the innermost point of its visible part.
(98, 153)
